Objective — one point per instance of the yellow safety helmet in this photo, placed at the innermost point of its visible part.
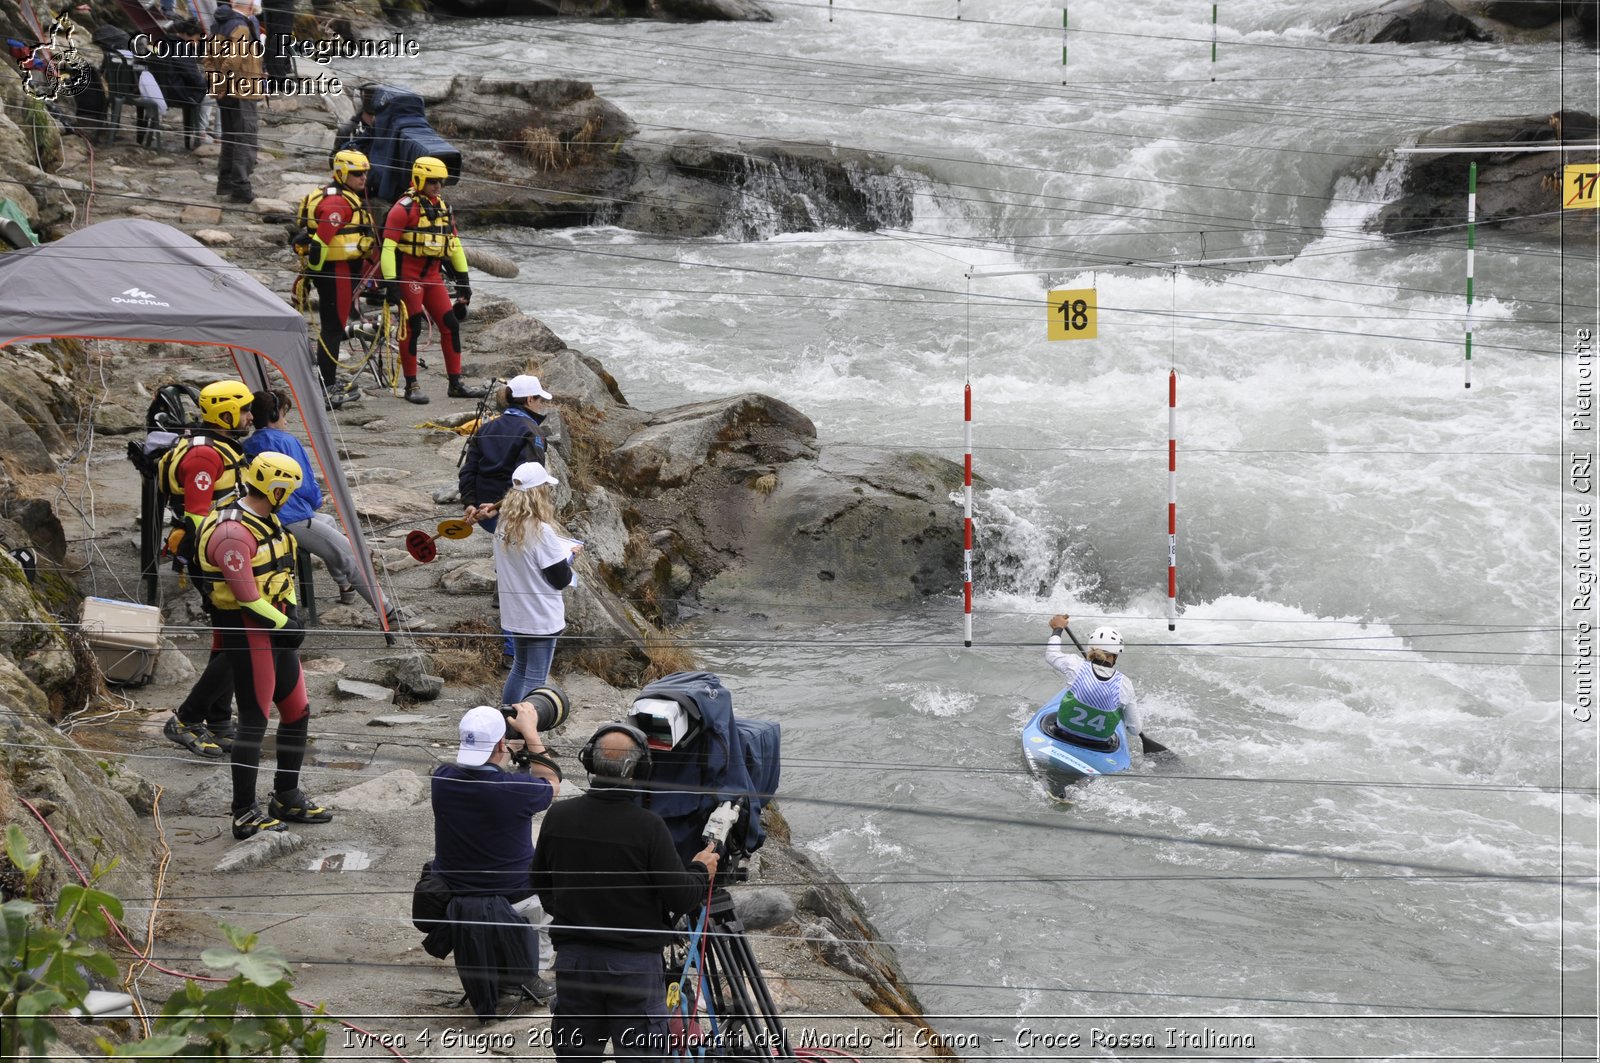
(275, 475)
(426, 169)
(222, 402)
(349, 162)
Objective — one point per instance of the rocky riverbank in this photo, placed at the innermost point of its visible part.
(736, 492)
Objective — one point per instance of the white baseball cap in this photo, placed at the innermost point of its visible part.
(531, 474)
(525, 386)
(481, 729)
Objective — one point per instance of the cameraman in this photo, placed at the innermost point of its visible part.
(483, 809)
(608, 871)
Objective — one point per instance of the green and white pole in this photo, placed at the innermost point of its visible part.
(1213, 42)
(1472, 241)
(1063, 44)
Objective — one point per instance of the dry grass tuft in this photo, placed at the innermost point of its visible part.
(540, 146)
(668, 654)
(469, 656)
(764, 484)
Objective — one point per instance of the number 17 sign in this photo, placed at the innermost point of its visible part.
(1072, 314)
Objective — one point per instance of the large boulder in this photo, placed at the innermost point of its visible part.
(845, 529)
(1408, 22)
(701, 184)
(1524, 14)
(678, 441)
(1518, 191)
(563, 162)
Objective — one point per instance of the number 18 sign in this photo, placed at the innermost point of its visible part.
(1072, 314)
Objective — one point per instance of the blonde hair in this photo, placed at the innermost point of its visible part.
(522, 511)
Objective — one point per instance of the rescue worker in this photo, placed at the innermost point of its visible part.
(420, 246)
(200, 472)
(1097, 695)
(340, 240)
(248, 562)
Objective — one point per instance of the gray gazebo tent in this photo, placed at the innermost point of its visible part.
(142, 281)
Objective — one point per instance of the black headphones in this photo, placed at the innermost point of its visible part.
(641, 771)
(265, 407)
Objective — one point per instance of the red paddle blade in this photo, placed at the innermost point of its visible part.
(419, 544)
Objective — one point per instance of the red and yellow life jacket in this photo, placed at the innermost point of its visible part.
(272, 566)
(433, 231)
(356, 236)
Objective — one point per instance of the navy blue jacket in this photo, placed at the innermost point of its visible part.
(494, 453)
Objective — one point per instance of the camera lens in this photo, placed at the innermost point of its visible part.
(550, 705)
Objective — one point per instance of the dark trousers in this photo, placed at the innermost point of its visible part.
(264, 675)
(605, 994)
(336, 287)
(210, 701)
(241, 133)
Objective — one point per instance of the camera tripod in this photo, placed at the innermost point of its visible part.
(747, 1024)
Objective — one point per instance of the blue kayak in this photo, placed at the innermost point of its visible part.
(1065, 759)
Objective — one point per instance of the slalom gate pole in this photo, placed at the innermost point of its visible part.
(1063, 44)
(1172, 500)
(1213, 42)
(966, 529)
(1472, 242)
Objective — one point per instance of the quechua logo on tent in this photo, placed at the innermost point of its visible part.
(138, 297)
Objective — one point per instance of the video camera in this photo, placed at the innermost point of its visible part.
(702, 758)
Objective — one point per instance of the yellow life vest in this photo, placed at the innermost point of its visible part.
(233, 465)
(433, 232)
(356, 235)
(272, 566)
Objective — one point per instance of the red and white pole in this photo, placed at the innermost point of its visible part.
(1172, 500)
(966, 552)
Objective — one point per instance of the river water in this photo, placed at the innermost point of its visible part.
(1365, 679)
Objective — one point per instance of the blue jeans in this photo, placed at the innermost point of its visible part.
(530, 666)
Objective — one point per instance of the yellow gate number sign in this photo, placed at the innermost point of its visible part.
(1578, 183)
(1072, 314)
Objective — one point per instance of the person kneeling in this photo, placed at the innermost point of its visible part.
(483, 809)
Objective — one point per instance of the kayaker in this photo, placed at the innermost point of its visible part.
(1097, 695)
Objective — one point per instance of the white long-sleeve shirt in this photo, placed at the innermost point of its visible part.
(1071, 664)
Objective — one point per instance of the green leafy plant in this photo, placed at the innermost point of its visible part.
(43, 964)
(251, 1016)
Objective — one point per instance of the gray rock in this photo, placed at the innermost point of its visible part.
(1408, 22)
(261, 849)
(445, 496)
(136, 790)
(1524, 14)
(762, 909)
(678, 441)
(213, 795)
(604, 535)
(114, 420)
(391, 504)
(355, 688)
(400, 719)
(392, 792)
(1515, 188)
(426, 687)
(715, 10)
(474, 577)
(575, 378)
(847, 528)
(173, 667)
(378, 475)
(409, 672)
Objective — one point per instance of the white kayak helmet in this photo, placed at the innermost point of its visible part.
(1106, 638)
(1109, 641)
